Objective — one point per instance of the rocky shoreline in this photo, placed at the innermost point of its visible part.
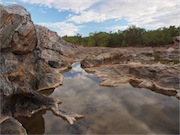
(33, 58)
(154, 68)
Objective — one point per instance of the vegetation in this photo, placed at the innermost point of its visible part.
(132, 36)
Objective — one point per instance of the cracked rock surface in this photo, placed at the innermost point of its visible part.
(145, 67)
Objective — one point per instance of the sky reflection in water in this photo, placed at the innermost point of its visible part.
(108, 110)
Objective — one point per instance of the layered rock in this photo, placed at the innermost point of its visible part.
(32, 58)
(153, 68)
(18, 33)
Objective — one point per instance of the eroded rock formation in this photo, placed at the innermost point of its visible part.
(31, 55)
(17, 30)
(32, 58)
(154, 68)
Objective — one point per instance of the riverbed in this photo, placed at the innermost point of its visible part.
(107, 110)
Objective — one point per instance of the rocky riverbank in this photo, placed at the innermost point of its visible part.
(33, 58)
(154, 68)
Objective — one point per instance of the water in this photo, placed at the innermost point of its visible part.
(107, 110)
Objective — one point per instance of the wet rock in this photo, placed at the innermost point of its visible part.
(12, 126)
(36, 119)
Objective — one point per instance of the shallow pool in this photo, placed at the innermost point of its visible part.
(107, 110)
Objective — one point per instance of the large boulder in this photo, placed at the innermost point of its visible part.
(32, 59)
(18, 33)
(32, 56)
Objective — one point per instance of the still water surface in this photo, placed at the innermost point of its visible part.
(107, 110)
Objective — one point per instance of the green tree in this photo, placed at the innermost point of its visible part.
(132, 36)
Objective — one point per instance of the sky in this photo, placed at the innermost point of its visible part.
(69, 17)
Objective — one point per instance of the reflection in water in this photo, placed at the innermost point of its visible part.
(34, 124)
(108, 110)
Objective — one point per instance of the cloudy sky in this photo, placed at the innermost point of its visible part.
(69, 17)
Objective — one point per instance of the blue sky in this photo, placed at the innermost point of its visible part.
(69, 17)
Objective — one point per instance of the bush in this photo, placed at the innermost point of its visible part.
(132, 36)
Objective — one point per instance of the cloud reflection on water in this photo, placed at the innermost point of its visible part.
(108, 110)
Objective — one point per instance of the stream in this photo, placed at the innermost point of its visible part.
(107, 110)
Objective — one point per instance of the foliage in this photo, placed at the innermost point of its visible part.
(132, 36)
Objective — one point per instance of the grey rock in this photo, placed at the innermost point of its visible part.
(12, 126)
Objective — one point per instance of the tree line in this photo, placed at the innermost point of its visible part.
(132, 36)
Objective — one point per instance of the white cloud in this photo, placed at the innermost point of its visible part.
(89, 17)
(1, 2)
(62, 28)
(74, 5)
(10, 2)
(138, 12)
(142, 13)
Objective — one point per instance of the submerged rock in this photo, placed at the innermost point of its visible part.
(12, 126)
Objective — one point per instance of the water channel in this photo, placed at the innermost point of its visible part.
(107, 110)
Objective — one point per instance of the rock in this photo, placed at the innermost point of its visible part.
(119, 56)
(52, 48)
(32, 59)
(170, 55)
(161, 79)
(50, 40)
(47, 77)
(12, 126)
(141, 83)
(154, 68)
(18, 31)
(11, 74)
(36, 119)
(32, 56)
(176, 40)
(103, 58)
